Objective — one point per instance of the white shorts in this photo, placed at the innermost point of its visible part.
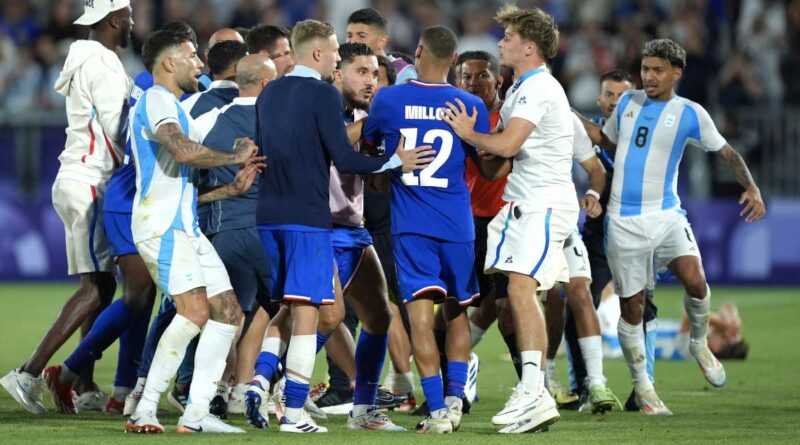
(178, 263)
(577, 257)
(530, 241)
(639, 246)
(80, 207)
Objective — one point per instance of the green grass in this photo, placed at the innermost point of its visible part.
(760, 403)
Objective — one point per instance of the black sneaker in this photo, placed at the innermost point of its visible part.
(178, 399)
(630, 404)
(386, 400)
(336, 402)
(422, 410)
(219, 407)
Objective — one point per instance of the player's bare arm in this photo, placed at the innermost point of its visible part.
(354, 131)
(493, 167)
(754, 208)
(505, 144)
(595, 132)
(597, 180)
(186, 151)
(241, 182)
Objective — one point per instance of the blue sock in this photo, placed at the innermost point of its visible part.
(106, 329)
(185, 372)
(434, 392)
(370, 355)
(166, 312)
(650, 348)
(296, 393)
(266, 365)
(456, 378)
(131, 344)
(321, 340)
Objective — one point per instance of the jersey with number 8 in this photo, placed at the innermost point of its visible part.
(433, 201)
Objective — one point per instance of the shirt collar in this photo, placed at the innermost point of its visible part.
(223, 84)
(304, 71)
(244, 100)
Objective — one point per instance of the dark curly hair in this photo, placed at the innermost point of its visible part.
(665, 49)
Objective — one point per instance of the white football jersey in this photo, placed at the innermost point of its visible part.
(542, 172)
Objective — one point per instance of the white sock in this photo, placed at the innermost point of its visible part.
(212, 351)
(532, 374)
(697, 311)
(476, 333)
(300, 365)
(168, 357)
(631, 339)
(404, 383)
(549, 370)
(391, 374)
(273, 345)
(592, 351)
(240, 389)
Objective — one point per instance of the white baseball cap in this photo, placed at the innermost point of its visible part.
(96, 10)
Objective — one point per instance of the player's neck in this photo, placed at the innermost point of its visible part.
(104, 38)
(432, 74)
(665, 96)
(525, 65)
(168, 84)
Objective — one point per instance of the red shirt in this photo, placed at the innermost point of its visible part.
(485, 195)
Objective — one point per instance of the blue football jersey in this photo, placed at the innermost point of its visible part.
(433, 201)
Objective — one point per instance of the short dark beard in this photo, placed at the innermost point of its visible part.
(188, 86)
(352, 101)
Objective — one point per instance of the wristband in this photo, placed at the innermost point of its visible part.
(592, 193)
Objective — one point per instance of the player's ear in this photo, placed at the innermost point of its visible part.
(317, 54)
(454, 59)
(677, 73)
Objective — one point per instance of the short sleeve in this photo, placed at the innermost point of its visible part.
(582, 147)
(710, 138)
(162, 108)
(530, 104)
(611, 127)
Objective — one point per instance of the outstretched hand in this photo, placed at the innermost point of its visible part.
(414, 159)
(244, 149)
(457, 116)
(247, 173)
(591, 205)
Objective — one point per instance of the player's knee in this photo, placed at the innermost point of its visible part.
(139, 296)
(579, 298)
(225, 308)
(197, 315)
(631, 310)
(379, 321)
(330, 318)
(696, 287)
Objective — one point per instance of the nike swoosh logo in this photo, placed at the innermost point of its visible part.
(529, 363)
(196, 430)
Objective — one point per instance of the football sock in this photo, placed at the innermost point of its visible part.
(476, 333)
(370, 355)
(532, 374)
(650, 334)
(697, 311)
(300, 358)
(166, 360)
(272, 348)
(456, 378)
(434, 392)
(212, 352)
(131, 345)
(106, 329)
(592, 351)
(631, 340)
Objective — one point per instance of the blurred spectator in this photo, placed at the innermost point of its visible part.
(60, 26)
(761, 34)
(8, 60)
(738, 83)
(24, 83)
(588, 56)
(19, 21)
(51, 59)
(476, 24)
(792, 58)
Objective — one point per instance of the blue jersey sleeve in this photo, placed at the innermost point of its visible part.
(371, 133)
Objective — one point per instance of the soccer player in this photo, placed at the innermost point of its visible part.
(612, 85)
(231, 222)
(180, 259)
(301, 129)
(369, 27)
(273, 42)
(647, 230)
(526, 238)
(222, 59)
(432, 221)
(96, 88)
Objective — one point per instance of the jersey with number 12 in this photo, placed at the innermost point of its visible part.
(433, 201)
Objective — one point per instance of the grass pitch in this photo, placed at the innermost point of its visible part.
(759, 404)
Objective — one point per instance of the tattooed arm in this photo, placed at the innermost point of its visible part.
(186, 151)
(754, 208)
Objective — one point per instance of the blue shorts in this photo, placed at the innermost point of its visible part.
(348, 250)
(427, 264)
(299, 263)
(240, 250)
(119, 234)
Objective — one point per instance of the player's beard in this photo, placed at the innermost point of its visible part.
(188, 85)
(352, 99)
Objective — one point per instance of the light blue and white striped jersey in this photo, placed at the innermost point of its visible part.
(166, 197)
(650, 137)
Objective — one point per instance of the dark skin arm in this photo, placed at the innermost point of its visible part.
(754, 208)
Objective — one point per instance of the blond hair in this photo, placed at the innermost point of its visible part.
(308, 30)
(531, 24)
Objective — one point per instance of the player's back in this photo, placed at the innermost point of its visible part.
(433, 201)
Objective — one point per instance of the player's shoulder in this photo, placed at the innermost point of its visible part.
(696, 107)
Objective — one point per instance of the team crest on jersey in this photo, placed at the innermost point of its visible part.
(90, 3)
(669, 120)
(628, 114)
(509, 260)
(522, 100)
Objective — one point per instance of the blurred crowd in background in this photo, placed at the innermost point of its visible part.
(740, 52)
